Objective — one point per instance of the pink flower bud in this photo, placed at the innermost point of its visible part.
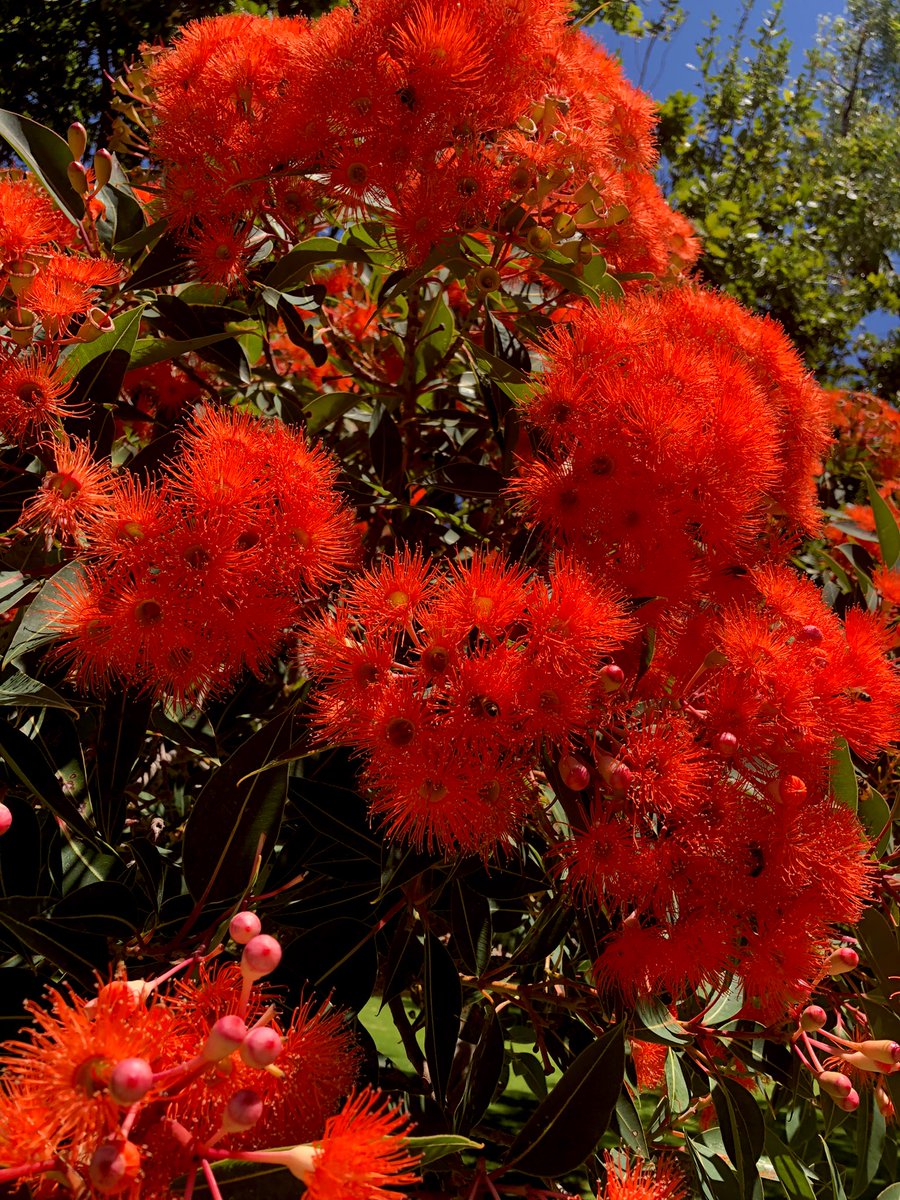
(620, 777)
(812, 1018)
(103, 165)
(130, 1080)
(244, 926)
(611, 677)
(881, 1049)
(574, 774)
(841, 961)
(884, 1102)
(78, 179)
(812, 634)
(77, 139)
(850, 1102)
(835, 1083)
(114, 1167)
(6, 820)
(261, 1046)
(224, 1038)
(727, 744)
(244, 1110)
(261, 956)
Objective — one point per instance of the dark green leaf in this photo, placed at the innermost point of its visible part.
(677, 1090)
(314, 252)
(108, 909)
(239, 807)
(152, 350)
(470, 922)
(120, 739)
(48, 155)
(716, 1179)
(20, 691)
(39, 624)
(743, 1129)
(439, 1145)
(337, 957)
(876, 818)
(386, 449)
(658, 1025)
(844, 783)
(726, 1005)
(29, 764)
(879, 939)
(566, 1127)
(870, 1131)
(484, 1072)
(120, 340)
(789, 1169)
(337, 813)
(443, 1005)
(885, 525)
(165, 264)
(630, 1125)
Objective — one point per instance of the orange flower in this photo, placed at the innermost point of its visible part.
(640, 1181)
(70, 495)
(32, 393)
(362, 1155)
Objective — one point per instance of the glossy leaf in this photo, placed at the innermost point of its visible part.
(790, 1171)
(885, 525)
(20, 691)
(484, 1072)
(844, 783)
(28, 763)
(443, 1005)
(47, 154)
(238, 806)
(98, 354)
(150, 350)
(566, 1127)
(875, 815)
(439, 1145)
(39, 624)
(470, 922)
(743, 1129)
(658, 1025)
(120, 739)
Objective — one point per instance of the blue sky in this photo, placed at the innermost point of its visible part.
(669, 65)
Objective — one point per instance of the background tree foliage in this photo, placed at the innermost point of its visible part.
(794, 183)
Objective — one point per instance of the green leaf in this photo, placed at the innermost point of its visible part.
(148, 351)
(470, 922)
(876, 818)
(239, 805)
(629, 1121)
(726, 1005)
(40, 621)
(48, 155)
(844, 784)
(20, 691)
(789, 1169)
(443, 1005)
(870, 1132)
(743, 1129)
(314, 252)
(716, 1179)
(439, 1145)
(885, 525)
(566, 1127)
(837, 1186)
(658, 1024)
(484, 1071)
(31, 767)
(677, 1089)
(891, 1192)
(120, 339)
(120, 739)
(493, 367)
(880, 942)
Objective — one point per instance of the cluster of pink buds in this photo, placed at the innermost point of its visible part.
(871, 1056)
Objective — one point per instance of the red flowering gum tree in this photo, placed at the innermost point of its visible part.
(448, 698)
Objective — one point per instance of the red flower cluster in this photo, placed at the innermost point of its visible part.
(187, 583)
(123, 1093)
(433, 116)
(53, 293)
(681, 436)
(449, 683)
(681, 439)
